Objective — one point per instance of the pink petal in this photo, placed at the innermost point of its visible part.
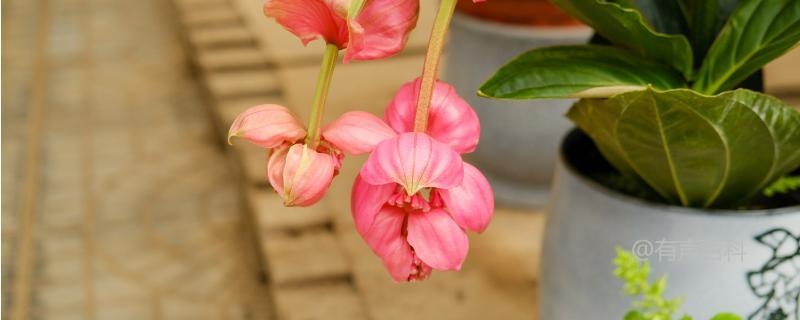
(381, 29)
(357, 132)
(472, 202)
(275, 166)
(415, 161)
(339, 7)
(450, 119)
(385, 238)
(267, 125)
(366, 200)
(306, 176)
(309, 20)
(437, 239)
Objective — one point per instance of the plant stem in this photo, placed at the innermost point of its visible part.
(432, 59)
(355, 8)
(321, 94)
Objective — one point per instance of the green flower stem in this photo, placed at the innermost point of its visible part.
(432, 59)
(355, 9)
(321, 94)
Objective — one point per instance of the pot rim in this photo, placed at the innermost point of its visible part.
(522, 31)
(661, 207)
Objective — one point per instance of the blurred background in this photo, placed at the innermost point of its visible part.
(121, 201)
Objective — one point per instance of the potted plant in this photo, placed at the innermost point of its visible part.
(526, 133)
(671, 159)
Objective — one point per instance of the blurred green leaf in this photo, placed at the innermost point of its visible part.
(726, 316)
(783, 185)
(634, 315)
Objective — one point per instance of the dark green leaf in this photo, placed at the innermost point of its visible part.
(664, 16)
(577, 71)
(701, 16)
(757, 32)
(705, 18)
(695, 150)
(626, 27)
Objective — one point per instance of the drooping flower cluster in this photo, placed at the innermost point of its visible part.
(301, 172)
(415, 197)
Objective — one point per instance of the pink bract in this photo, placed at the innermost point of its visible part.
(357, 132)
(415, 161)
(268, 126)
(451, 120)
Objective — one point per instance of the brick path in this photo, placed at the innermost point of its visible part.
(117, 204)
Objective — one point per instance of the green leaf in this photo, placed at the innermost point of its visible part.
(651, 304)
(705, 18)
(701, 16)
(634, 315)
(577, 71)
(757, 32)
(726, 316)
(695, 150)
(664, 16)
(626, 27)
(783, 185)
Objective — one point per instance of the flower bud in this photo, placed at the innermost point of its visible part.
(300, 175)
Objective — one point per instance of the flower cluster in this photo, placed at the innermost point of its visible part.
(302, 172)
(415, 197)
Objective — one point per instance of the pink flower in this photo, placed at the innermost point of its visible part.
(299, 174)
(380, 30)
(411, 233)
(415, 196)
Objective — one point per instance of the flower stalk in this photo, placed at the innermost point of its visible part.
(355, 8)
(321, 94)
(433, 57)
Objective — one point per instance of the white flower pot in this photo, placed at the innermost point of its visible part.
(519, 139)
(745, 262)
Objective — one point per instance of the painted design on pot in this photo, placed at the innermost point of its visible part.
(778, 281)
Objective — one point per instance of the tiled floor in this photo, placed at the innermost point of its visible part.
(116, 202)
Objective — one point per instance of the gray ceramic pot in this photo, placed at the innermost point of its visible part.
(746, 262)
(519, 140)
